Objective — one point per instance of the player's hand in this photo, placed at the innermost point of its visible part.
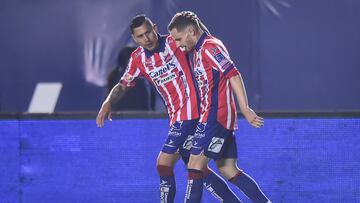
(104, 112)
(254, 120)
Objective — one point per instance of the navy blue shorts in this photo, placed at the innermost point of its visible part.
(215, 141)
(180, 138)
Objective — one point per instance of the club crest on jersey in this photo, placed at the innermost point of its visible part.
(214, 50)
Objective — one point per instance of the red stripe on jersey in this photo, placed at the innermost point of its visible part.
(158, 60)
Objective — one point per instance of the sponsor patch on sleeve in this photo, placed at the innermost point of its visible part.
(223, 61)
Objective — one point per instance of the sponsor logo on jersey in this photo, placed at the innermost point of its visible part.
(166, 79)
(198, 72)
(162, 70)
(224, 62)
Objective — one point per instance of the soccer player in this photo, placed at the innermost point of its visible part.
(217, 79)
(165, 66)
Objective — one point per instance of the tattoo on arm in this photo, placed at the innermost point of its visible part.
(117, 93)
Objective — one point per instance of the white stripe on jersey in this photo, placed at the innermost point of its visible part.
(153, 61)
(143, 60)
(163, 63)
(198, 55)
(169, 49)
(234, 114)
(213, 59)
(180, 98)
(137, 72)
(169, 99)
(188, 105)
(228, 121)
(187, 90)
(128, 67)
(163, 86)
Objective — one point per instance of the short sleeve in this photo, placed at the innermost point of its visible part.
(220, 59)
(131, 73)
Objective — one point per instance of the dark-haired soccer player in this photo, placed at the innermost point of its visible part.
(166, 67)
(217, 79)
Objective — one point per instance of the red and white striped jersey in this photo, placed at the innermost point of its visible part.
(213, 68)
(168, 70)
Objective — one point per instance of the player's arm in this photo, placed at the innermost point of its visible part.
(238, 87)
(119, 90)
(220, 59)
(116, 93)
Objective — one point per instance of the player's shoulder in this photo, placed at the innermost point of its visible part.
(136, 54)
(212, 42)
(213, 45)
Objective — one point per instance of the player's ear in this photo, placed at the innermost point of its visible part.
(155, 28)
(191, 30)
(134, 38)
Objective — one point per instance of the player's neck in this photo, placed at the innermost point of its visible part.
(198, 35)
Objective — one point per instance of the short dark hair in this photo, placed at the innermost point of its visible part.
(138, 21)
(185, 18)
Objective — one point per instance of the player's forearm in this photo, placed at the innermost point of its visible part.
(116, 93)
(238, 87)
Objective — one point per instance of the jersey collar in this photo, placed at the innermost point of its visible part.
(200, 41)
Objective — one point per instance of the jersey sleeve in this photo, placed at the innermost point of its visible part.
(219, 58)
(131, 73)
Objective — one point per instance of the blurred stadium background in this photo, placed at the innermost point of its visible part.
(300, 61)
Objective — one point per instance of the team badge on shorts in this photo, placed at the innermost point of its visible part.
(201, 127)
(176, 126)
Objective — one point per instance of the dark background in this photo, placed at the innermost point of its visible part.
(294, 55)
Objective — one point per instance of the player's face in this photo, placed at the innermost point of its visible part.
(184, 39)
(146, 36)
